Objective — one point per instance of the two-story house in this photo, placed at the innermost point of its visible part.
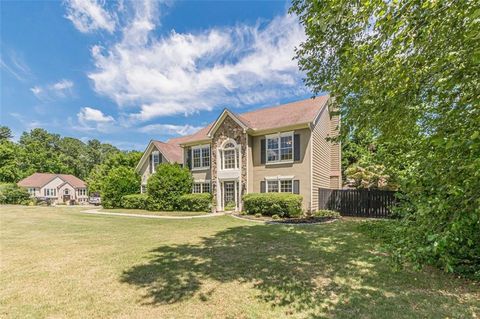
(283, 148)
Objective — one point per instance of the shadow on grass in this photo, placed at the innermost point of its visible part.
(316, 269)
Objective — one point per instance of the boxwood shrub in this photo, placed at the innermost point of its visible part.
(326, 213)
(195, 202)
(135, 201)
(269, 204)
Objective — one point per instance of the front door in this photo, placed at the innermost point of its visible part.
(229, 202)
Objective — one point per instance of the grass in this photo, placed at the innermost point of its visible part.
(148, 212)
(58, 263)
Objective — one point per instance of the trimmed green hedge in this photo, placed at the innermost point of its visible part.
(135, 201)
(195, 202)
(269, 204)
(326, 213)
(12, 194)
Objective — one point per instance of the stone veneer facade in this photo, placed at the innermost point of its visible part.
(229, 129)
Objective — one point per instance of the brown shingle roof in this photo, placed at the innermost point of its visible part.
(41, 179)
(172, 151)
(294, 113)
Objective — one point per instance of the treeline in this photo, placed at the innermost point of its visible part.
(41, 151)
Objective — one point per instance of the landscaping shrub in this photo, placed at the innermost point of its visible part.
(195, 202)
(326, 213)
(166, 185)
(135, 201)
(269, 204)
(12, 194)
(120, 181)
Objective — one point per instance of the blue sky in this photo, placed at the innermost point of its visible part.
(127, 72)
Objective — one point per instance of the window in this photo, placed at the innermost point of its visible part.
(155, 160)
(206, 188)
(82, 192)
(286, 148)
(66, 191)
(197, 187)
(279, 184)
(286, 186)
(201, 187)
(31, 191)
(50, 192)
(230, 156)
(279, 147)
(272, 186)
(201, 156)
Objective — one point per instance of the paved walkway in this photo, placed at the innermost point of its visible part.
(97, 212)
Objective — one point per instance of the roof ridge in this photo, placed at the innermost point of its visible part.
(280, 105)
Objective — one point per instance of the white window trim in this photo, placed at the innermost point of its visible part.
(201, 167)
(278, 136)
(201, 182)
(237, 155)
(278, 179)
(48, 192)
(153, 163)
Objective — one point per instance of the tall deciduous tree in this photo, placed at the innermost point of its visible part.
(409, 71)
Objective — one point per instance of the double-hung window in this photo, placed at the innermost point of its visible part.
(155, 160)
(201, 156)
(201, 187)
(279, 184)
(230, 156)
(50, 192)
(279, 147)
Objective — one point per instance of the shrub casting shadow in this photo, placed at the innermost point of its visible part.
(289, 266)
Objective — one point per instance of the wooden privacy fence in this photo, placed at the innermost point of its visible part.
(357, 202)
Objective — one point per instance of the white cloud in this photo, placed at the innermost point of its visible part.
(90, 119)
(183, 73)
(13, 62)
(169, 129)
(49, 92)
(89, 15)
(88, 114)
(62, 85)
(36, 90)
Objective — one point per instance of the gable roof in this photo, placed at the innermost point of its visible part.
(41, 179)
(226, 112)
(295, 113)
(171, 151)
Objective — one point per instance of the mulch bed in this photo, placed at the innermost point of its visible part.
(303, 220)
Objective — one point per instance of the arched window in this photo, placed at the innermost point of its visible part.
(230, 155)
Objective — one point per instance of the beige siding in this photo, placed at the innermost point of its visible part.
(299, 169)
(335, 154)
(321, 157)
(145, 169)
(52, 184)
(202, 174)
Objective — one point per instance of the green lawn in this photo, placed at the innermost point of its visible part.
(148, 212)
(58, 263)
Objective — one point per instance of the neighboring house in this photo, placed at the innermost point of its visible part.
(58, 188)
(276, 149)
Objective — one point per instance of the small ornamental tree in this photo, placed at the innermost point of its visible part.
(120, 181)
(166, 185)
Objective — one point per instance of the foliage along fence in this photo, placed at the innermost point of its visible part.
(357, 202)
